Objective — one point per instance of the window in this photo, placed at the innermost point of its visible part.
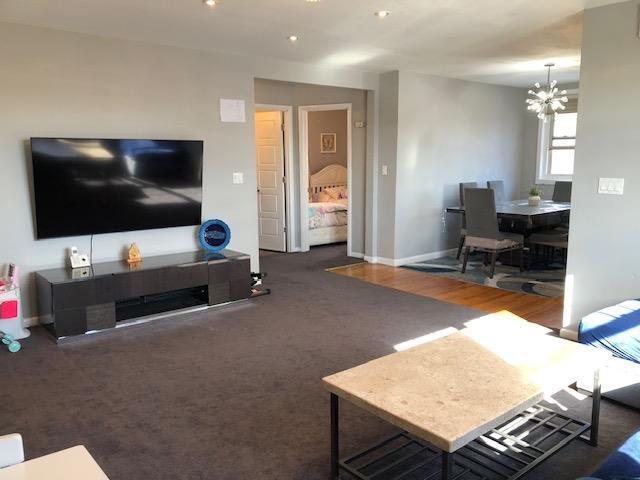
(557, 144)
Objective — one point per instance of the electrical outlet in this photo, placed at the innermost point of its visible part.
(238, 178)
(611, 186)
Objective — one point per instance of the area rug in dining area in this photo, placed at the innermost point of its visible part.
(546, 281)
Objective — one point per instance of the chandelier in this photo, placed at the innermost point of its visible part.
(547, 100)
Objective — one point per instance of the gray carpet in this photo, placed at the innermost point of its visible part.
(235, 393)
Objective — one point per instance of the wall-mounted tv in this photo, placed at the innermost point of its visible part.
(89, 186)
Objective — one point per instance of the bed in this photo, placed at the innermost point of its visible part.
(328, 206)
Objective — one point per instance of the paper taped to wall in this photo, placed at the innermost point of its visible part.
(232, 110)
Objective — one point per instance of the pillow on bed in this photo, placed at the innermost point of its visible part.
(323, 196)
(336, 192)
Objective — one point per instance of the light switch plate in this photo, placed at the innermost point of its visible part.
(611, 186)
(359, 124)
(238, 178)
(385, 170)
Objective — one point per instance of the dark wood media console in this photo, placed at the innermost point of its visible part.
(73, 302)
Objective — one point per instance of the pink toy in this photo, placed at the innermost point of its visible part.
(11, 321)
(8, 309)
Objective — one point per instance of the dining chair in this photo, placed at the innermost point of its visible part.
(463, 231)
(551, 241)
(556, 238)
(498, 187)
(562, 192)
(483, 233)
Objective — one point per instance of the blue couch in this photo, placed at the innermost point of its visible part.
(617, 330)
(623, 464)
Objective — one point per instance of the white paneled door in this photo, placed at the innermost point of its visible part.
(270, 164)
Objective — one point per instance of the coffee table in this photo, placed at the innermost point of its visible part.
(468, 405)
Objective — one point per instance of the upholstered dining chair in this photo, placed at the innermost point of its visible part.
(498, 187)
(483, 233)
(556, 239)
(463, 231)
(551, 241)
(562, 192)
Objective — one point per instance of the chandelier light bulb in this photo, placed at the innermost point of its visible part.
(547, 100)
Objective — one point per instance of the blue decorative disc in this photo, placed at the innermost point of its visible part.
(214, 235)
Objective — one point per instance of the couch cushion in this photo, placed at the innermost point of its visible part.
(615, 328)
(624, 463)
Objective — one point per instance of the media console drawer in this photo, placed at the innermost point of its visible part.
(150, 282)
(72, 306)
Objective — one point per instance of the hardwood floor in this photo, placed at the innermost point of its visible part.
(535, 308)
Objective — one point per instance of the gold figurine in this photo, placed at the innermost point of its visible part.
(134, 254)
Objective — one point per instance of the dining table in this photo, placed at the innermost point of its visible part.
(519, 216)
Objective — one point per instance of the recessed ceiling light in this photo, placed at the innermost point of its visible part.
(292, 38)
(382, 13)
(312, 1)
(210, 3)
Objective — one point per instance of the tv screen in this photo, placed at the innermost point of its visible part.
(89, 186)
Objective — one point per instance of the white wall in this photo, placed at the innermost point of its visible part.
(388, 156)
(603, 243)
(450, 131)
(327, 121)
(61, 84)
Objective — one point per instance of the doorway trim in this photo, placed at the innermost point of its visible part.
(289, 189)
(303, 146)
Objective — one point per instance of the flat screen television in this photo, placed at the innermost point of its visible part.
(90, 186)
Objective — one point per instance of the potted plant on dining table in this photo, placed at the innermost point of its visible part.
(534, 196)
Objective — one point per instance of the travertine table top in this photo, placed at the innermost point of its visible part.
(455, 388)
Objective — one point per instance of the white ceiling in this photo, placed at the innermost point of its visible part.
(496, 41)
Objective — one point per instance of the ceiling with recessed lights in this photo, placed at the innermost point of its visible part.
(496, 41)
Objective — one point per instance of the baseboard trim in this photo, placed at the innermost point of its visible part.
(398, 262)
(356, 255)
(569, 334)
(31, 321)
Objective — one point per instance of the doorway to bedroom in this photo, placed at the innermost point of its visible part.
(306, 154)
(325, 174)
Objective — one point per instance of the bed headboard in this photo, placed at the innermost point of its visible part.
(330, 176)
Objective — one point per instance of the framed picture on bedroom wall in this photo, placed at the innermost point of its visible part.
(328, 143)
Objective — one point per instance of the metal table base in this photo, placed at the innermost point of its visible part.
(504, 453)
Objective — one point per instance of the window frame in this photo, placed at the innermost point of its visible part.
(543, 158)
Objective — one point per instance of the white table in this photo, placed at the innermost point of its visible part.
(74, 463)
(457, 388)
